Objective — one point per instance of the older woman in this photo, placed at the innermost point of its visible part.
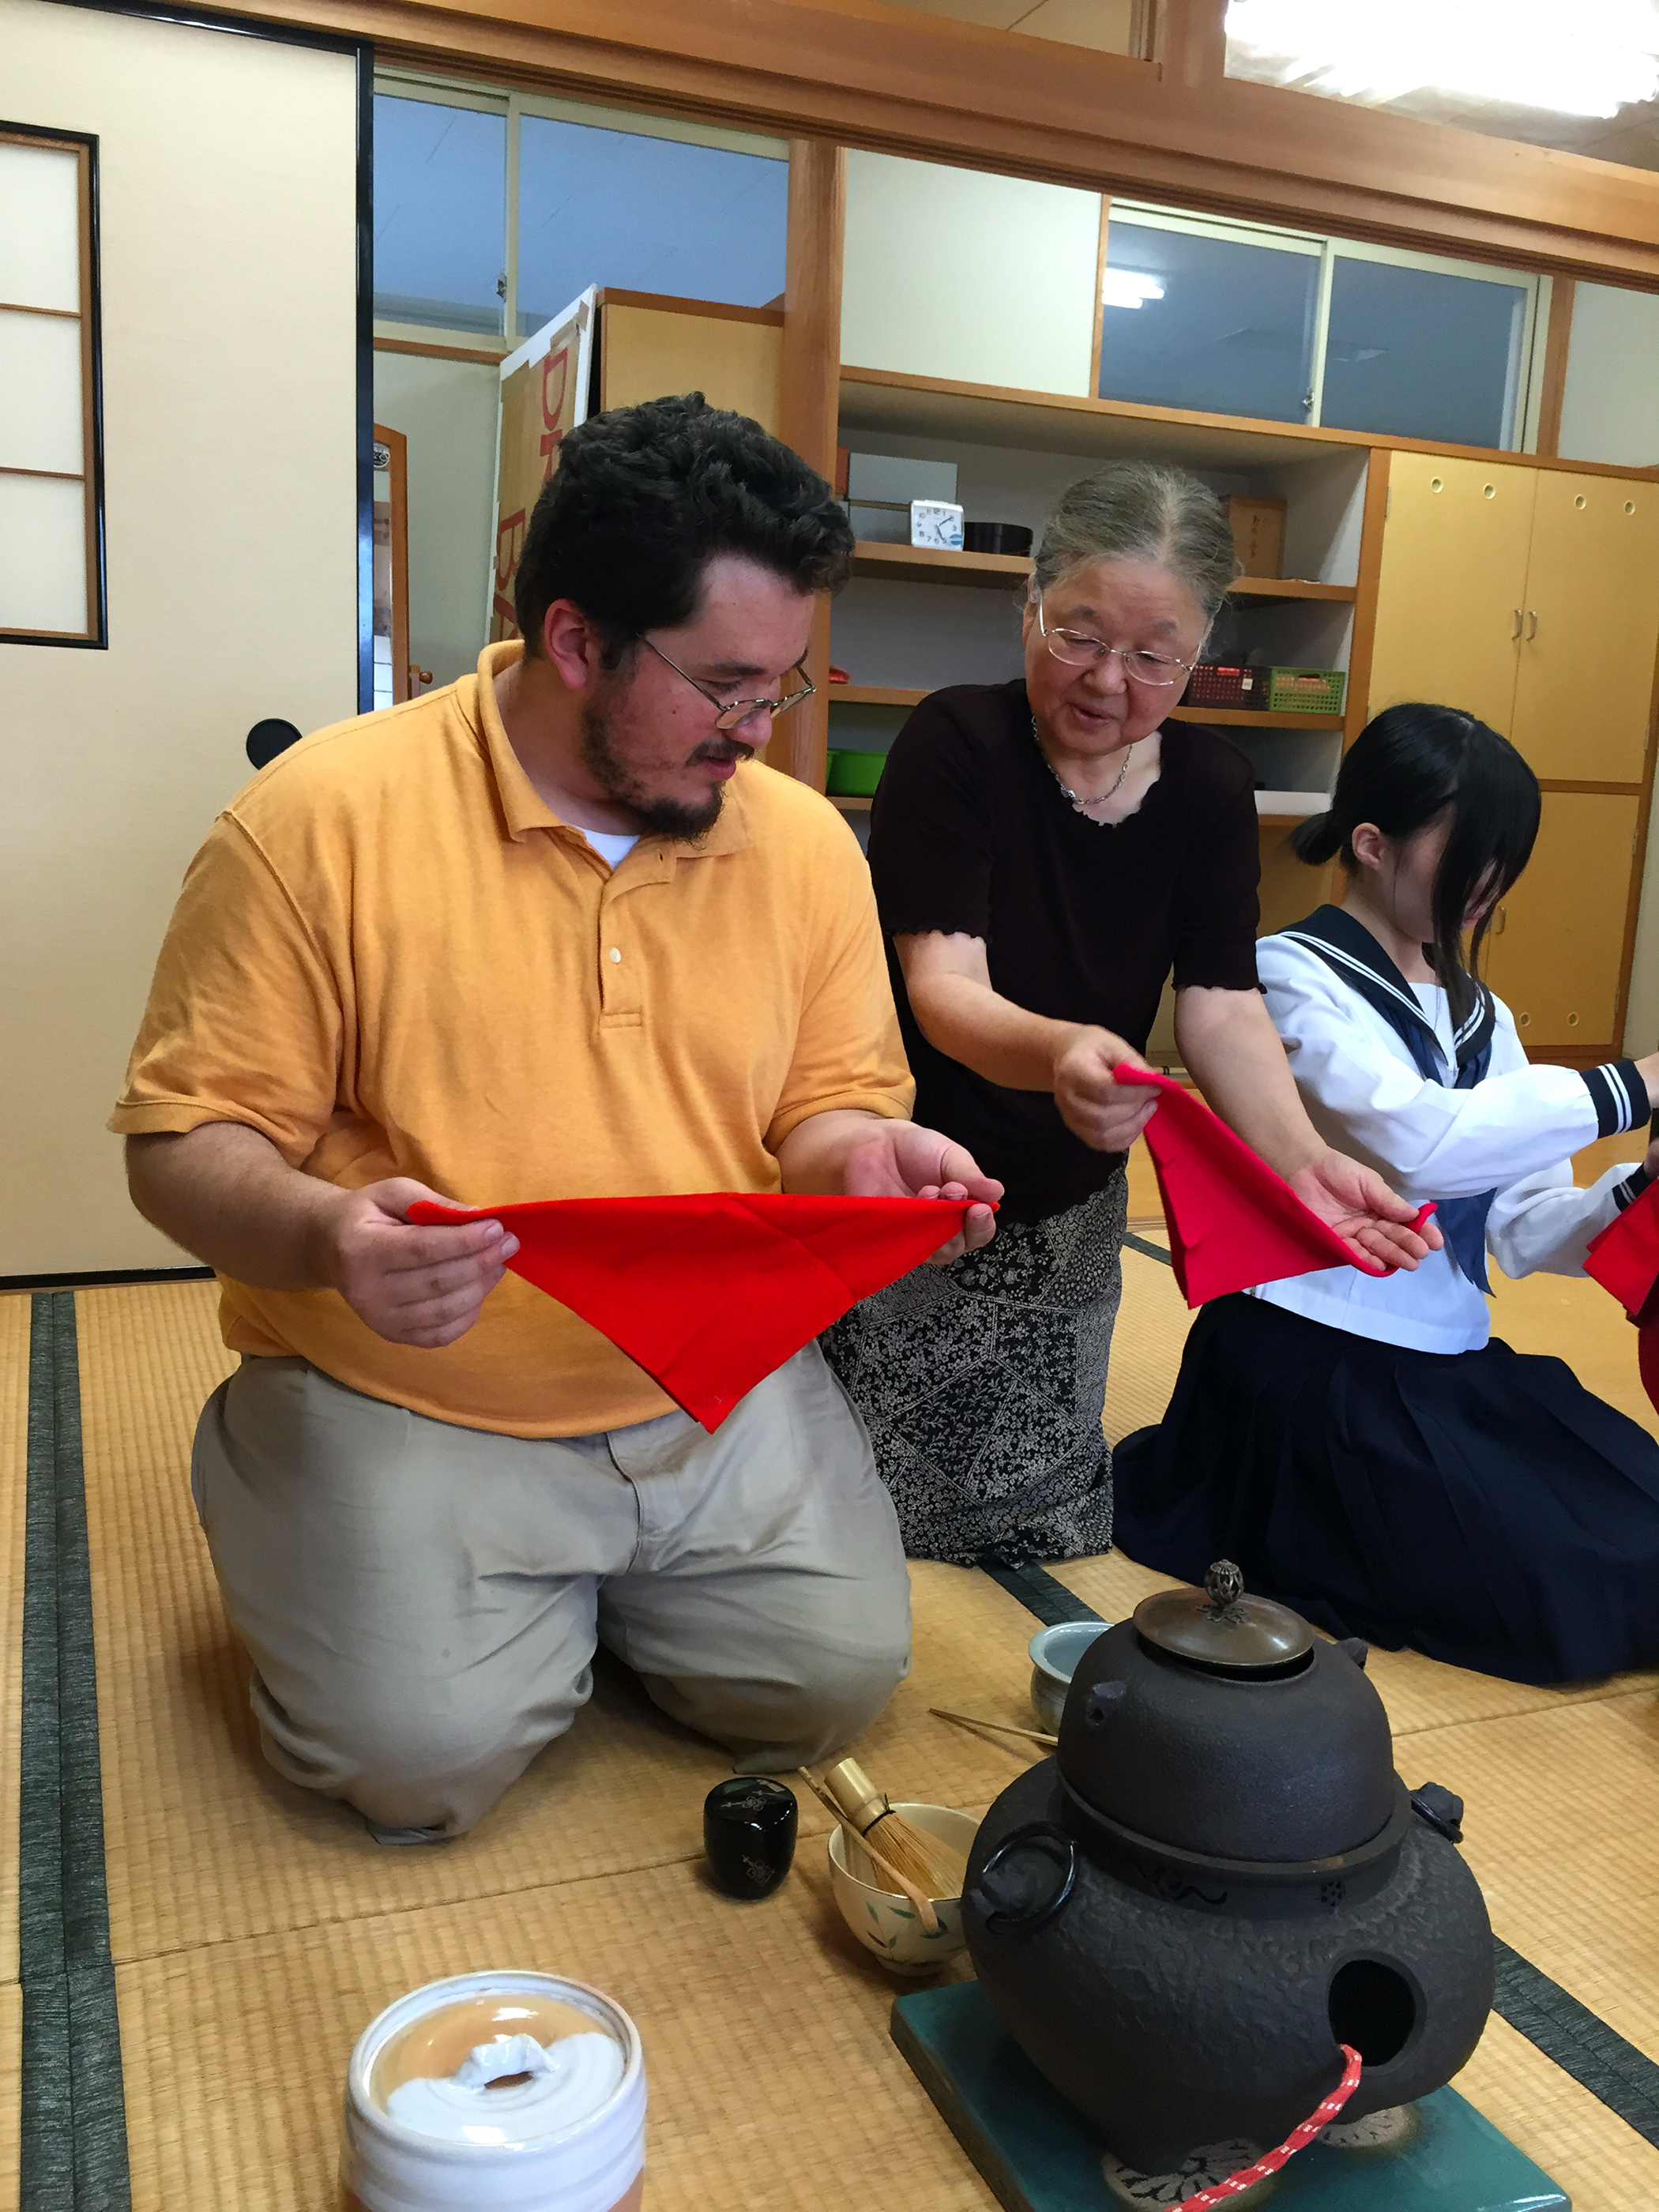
(1044, 852)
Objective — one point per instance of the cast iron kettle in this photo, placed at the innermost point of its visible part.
(1219, 1880)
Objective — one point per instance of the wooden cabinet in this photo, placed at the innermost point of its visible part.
(1555, 954)
(1584, 663)
(1453, 585)
(1531, 597)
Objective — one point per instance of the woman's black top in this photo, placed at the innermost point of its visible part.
(971, 833)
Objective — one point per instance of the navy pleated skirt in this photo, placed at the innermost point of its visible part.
(1481, 1506)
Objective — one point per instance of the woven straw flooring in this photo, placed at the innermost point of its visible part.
(245, 1918)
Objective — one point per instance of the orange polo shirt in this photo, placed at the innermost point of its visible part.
(391, 958)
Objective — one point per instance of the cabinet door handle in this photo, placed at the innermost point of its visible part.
(1516, 632)
(1500, 919)
(1532, 624)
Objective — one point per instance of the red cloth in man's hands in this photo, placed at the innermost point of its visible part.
(1233, 1221)
(710, 1293)
(1625, 1260)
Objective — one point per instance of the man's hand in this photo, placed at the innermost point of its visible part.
(410, 1284)
(1091, 1102)
(899, 1160)
(1364, 1211)
(861, 1155)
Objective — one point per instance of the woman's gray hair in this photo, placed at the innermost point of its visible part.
(1142, 511)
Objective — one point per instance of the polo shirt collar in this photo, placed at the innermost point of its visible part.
(524, 809)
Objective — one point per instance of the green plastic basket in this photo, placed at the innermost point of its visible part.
(1306, 691)
(854, 775)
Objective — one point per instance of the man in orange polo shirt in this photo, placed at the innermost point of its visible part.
(546, 933)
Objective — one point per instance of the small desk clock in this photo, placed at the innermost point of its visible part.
(936, 524)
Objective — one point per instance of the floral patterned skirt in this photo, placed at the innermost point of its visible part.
(981, 1385)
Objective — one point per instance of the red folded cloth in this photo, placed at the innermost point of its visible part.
(1625, 1260)
(710, 1293)
(1233, 1221)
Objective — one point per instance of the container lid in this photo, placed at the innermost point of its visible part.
(1221, 1628)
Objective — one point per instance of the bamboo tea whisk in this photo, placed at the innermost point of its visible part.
(924, 1859)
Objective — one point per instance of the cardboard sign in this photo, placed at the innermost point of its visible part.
(543, 395)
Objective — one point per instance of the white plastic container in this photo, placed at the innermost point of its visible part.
(479, 2147)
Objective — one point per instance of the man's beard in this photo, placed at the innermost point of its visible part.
(661, 818)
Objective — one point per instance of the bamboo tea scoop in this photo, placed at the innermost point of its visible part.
(1004, 1728)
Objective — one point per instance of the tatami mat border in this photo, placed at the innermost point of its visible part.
(74, 2139)
(1626, 2079)
(1147, 1251)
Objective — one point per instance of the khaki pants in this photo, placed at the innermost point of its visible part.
(423, 1601)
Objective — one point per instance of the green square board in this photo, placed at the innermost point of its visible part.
(1038, 2154)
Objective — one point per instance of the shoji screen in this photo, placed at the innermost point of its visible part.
(49, 571)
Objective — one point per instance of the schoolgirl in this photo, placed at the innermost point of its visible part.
(1362, 1446)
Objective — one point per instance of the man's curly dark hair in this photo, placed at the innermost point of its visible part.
(643, 499)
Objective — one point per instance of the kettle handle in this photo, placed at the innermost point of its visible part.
(1002, 1918)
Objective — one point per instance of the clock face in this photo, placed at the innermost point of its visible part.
(934, 525)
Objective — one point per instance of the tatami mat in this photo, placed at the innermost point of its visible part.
(771, 2078)
(246, 1918)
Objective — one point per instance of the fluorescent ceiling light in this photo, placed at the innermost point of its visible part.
(1128, 288)
(1589, 59)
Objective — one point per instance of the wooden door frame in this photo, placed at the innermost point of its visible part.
(397, 445)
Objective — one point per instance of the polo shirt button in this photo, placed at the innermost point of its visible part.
(616, 952)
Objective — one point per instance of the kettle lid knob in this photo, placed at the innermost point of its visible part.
(1223, 1630)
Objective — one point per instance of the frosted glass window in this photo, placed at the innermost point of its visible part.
(644, 214)
(40, 416)
(40, 235)
(1415, 353)
(43, 554)
(1222, 325)
(440, 214)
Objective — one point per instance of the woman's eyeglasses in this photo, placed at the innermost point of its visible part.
(1076, 648)
(741, 710)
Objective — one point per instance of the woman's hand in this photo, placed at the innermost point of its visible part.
(1364, 1211)
(1093, 1106)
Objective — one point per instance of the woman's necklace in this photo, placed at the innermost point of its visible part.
(1081, 805)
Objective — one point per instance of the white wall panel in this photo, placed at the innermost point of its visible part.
(41, 233)
(40, 415)
(43, 554)
(956, 273)
(1610, 405)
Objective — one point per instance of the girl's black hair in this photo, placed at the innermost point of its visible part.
(1407, 765)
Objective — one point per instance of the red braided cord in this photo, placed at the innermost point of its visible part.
(1298, 2139)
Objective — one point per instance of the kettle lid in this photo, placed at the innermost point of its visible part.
(1222, 1630)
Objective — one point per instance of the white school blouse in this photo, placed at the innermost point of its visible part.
(1515, 1132)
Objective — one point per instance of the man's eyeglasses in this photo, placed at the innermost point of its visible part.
(737, 711)
(1075, 648)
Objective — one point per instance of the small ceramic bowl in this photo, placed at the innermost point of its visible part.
(887, 1924)
(1054, 1655)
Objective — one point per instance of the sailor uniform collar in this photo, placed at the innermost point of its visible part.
(1348, 947)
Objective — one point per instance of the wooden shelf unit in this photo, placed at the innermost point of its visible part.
(1246, 718)
(912, 564)
(1243, 718)
(848, 802)
(927, 564)
(1344, 524)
